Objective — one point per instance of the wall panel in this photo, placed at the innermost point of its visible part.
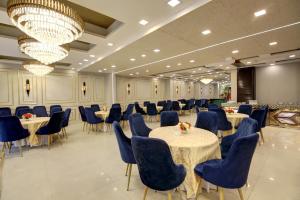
(6, 93)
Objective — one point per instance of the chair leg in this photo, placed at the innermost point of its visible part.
(241, 193)
(20, 150)
(49, 141)
(129, 176)
(199, 187)
(262, 136)
(169, 195)
(127, 170)
(221, 193)
(145, 193)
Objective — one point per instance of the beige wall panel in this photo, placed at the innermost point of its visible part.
(99, 89)
(6, 93)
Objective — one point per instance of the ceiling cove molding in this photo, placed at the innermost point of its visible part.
(211, 46)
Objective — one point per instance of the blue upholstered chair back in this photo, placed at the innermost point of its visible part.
(246, 127)
(23, 111)
(40, 111)
(197, 109)
(146, 103)
(245, 109)
(175, 106)
(212, 106)
(266, 108)
(54, 125)
(161, 103)
(116, 105)
(169, 118)
(204, 103)
(82, 113)
(18, 111)
(138, 126)
(151, 109)
(156, 166)
(5, 111)
(114, 115)
(54, 109)
(258, 115)
(124, 144)
(168, 106)
(138, 109)
(66, 117)
(128, 111)
(95, 107)
(91, 117)
(208, 121)
(223, 123)
(198, 103)
(11, 129)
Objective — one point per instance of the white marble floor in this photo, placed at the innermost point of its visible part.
(89, 167)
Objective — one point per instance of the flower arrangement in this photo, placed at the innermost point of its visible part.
(230, 111)
(27, 116)
(184, 127)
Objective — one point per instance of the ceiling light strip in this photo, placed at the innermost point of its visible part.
(214, 45)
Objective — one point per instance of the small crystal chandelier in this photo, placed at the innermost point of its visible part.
(37, 68)
(206, 80)
(48, 21)
(44, 52)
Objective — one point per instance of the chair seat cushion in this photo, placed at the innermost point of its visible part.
(199, 169)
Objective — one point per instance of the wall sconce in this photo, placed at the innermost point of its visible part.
(177, 89)
(155, 89)
(189, 89)
(128, 89)
(27, 87)
(84, 88)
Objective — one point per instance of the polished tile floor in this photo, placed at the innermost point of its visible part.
(89, 167)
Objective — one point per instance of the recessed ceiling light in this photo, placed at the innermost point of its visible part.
(143, 55)
(137, 73)
(173, 3)
(179, 64)
(132, 59)
(192, 61)
(168, 66)
(92, 56)
(292, 56)
(73, 68)
(272, 64)
(228, 67)
(113, 66)
(80, 63)
(131, 74)
(104, 69)
(99, 70)
(194, 71)
(110, 44)
(235, 51)
(248, 62)
(156, 50)
(260, 13)
(206, 32)
(200, 69)
(143, 22)
(161, 75)
(272, 43)
(221, 65)
(85, 60)
(147, 70)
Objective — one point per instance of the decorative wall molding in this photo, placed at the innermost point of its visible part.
(30, 97)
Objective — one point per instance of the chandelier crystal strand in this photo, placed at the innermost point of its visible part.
(44, 52)
(206, 80)
(48, 21)
(37, 68)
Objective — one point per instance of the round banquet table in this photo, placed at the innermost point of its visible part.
(235, 119)
(190, 149)
(33, 125)
(103, 114)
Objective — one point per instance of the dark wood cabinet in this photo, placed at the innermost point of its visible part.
(246, 84)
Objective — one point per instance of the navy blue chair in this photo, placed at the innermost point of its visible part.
(95, 107)
(138, 109)
(116, 105)
(40, 111)
(5, 111)
(223, 123)
(266, 108)
(146, 103)
(169, 118)
(208, 121)
(167, 106)
(245, 109)
(259, 116)
(92, 120)
(82, 116)
(156, 166)
(247, 127)
(54, 109)
(175, 106)
(204, 103)
(125, 149)
(212, 106)
(127, 113)
(161, 103)
(114, 115)
(21, 110)
(138, 126)
(231, 172)
(66, 121)
(54, 126)
(198, 103)
(188, 105)
(151, 110)
(11, 130)
(197, 109)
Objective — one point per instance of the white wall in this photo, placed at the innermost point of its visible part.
(62, 87)
(278, 84)
(209, 91)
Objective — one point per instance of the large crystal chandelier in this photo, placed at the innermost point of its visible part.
(44, 52)
(206, 80)
(37, 68)
(48, 21)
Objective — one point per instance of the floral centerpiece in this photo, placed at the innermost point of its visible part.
(27, 116)
(184, 127)
(229, 111)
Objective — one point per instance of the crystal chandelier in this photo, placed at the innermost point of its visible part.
(48, 21)
(37, 68)
(206, 80)
(44, 52)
